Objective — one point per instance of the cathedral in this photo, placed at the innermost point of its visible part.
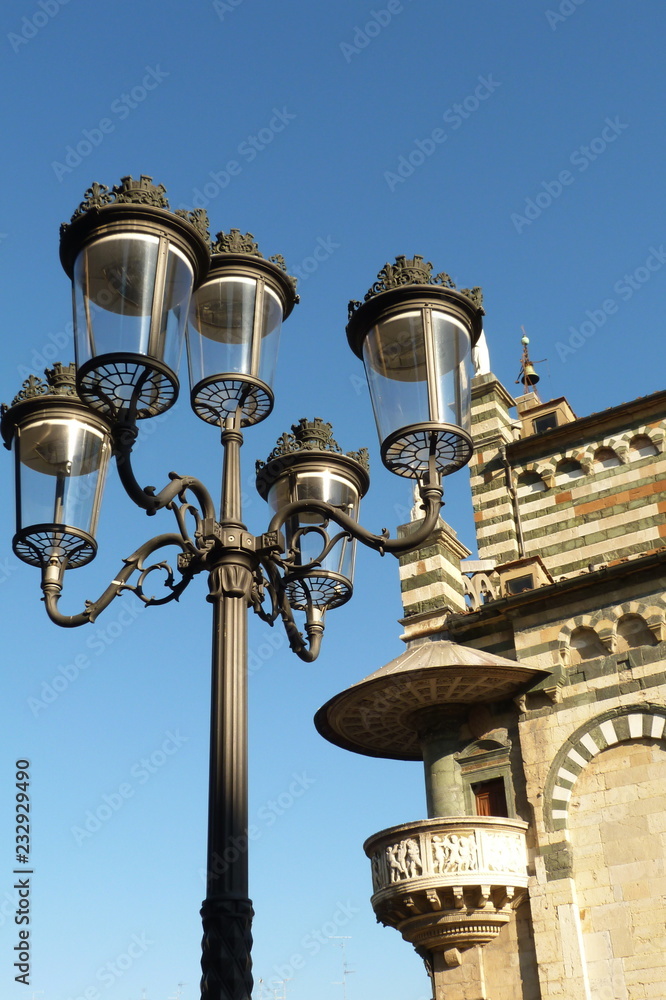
(533, 688)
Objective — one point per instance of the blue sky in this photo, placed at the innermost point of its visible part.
(518, 146)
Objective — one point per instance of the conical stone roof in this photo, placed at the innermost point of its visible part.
(376, 716)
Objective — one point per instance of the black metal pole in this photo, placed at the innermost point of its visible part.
(227, 911)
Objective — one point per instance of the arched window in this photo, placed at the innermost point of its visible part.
(567, 470)
(585, 644)
(632, 631)
(642, 447)
(606, 458)
(530, 482)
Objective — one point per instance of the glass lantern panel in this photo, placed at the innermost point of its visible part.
(394, 355)
(450, 402)
(177, 291)
(62, 464)
(271, 322)
(219, 331)
(114, 285)
(332, 488)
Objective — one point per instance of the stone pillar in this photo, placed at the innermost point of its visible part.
(431, 580)
(492, 428)
(459, 975)
(439, 734)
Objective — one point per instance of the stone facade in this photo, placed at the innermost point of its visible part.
(572, 550)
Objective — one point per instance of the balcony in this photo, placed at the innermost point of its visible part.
(450, 883)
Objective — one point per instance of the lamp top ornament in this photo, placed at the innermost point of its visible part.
(59, 386)
(307, 438)
(139, 199)
(312, 435)
(244, 245)
(60, 381)
(409, 277)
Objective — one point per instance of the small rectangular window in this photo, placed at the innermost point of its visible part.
(545, 423)
(519, 584)
(490, 798)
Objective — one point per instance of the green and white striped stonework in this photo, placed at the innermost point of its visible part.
(604, 515)
(431, 578)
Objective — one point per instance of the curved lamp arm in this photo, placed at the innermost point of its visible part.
(430, 494)
(307, 650)
(124, 434)
(314, 627)
(53, 572)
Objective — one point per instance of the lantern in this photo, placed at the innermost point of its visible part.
(61, 450)
(234, 329)
(309, 465)
(415, 334)
(133, 265)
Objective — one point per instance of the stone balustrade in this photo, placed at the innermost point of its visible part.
(450, 883)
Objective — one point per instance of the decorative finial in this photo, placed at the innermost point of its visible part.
(60, 381)
(414, 271)
(527, 375)
(136, 192)
(311, 435)
(235, 242)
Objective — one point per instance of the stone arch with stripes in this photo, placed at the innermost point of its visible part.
(605, 621)
(542, 471)
(655, 434)
(579, 456)
(615, 726)
(599, 621)
(614, 444)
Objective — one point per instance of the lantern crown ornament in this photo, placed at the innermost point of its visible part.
(235, 242)
(310, 435)
(134, 192)
(414, 332)
(413, 271)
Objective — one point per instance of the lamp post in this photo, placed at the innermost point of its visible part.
(144, 278)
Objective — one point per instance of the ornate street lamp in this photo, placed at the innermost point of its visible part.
(415, 333)
(134, 264)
